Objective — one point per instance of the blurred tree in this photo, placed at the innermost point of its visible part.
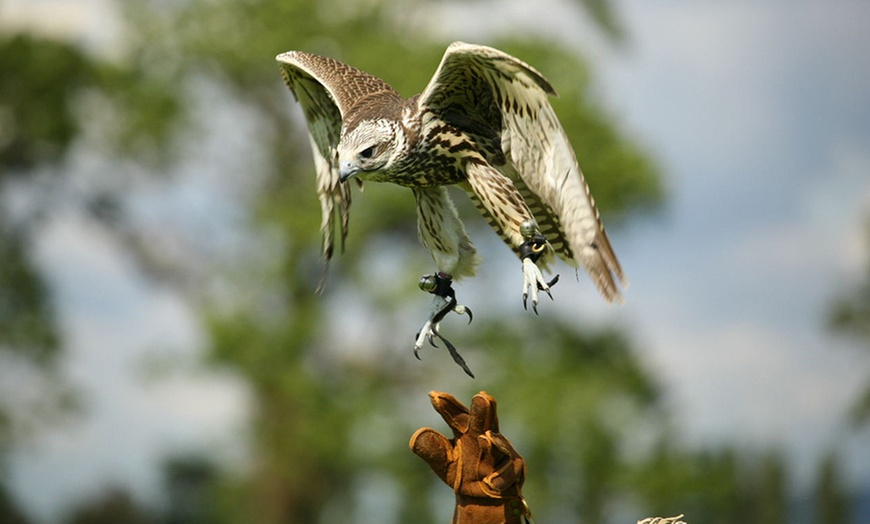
(45, 85)
(36, 133)
(27, 324)
(770, 490)
(723, 485)
(36, 127)
(10, 512)
(113, 507)
(832, 502)
(189, 481)
(575, 432)
(850, 315)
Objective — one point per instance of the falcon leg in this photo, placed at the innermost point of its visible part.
(440, 285)
(530, 251)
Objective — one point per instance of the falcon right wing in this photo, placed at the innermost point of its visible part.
(502, 103)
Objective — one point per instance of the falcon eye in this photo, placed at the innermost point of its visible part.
(367, 153)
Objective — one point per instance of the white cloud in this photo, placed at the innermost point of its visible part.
(94, 23)
(744, 383)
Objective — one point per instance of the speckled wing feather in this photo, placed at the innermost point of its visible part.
(328, 90)
(502, 103)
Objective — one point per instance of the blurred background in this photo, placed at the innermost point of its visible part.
(164, 358)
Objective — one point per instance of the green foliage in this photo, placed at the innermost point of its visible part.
(10, 513)
(850, 315)
(54, 96)
(141, 112)
(190, 482)
(719, 485)
(601, 11)
(37, 81)
(771, 490)
(573, 400)
(831, 498)
(37, 126)
(43, 86)
(27, 323)
(112, 507)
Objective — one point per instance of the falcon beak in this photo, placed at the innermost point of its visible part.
(346, 170)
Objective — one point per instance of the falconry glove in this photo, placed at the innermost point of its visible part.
(479, 463)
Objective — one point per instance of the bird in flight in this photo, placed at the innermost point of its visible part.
(483, 123)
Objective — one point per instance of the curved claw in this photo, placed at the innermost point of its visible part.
(534, 302)
(533, 281)
(462, 310)
(417, 349)
(550, 284)
(424, 333)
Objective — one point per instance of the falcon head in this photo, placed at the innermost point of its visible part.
(371, 146)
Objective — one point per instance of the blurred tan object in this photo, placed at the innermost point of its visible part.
(662, 520)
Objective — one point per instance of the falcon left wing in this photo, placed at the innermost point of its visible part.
(502, 103)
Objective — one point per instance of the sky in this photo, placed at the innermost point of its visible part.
(761, 116)
(758, 114)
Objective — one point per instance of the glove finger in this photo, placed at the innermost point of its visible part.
(454, 413)
(511, 474)
(435, 449)
(509, 465)
(503, 444)
(483, 416)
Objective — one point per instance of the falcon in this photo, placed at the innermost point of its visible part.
(483, 123)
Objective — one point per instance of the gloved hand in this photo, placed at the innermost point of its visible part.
(481, 466)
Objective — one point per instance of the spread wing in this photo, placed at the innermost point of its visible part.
(502, 103)
(328, 90)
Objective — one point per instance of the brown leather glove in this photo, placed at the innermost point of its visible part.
(481, 466)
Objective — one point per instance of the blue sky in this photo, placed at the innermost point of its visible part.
(761, 116)
(758, 113)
